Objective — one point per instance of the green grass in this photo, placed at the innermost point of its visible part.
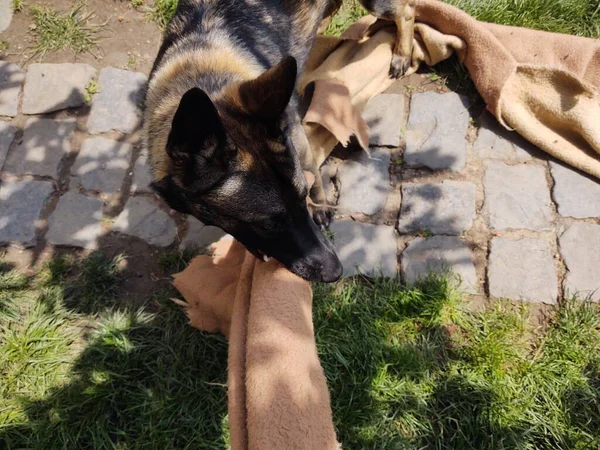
(350, 12)
(17, 5)
(55, 30)
(162, 11)
(407, 368)
(578, 17)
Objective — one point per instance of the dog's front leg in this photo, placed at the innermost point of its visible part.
(321, 211)
(403, 47)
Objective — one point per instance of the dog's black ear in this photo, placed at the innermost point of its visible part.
(196, 134)
(267, 96)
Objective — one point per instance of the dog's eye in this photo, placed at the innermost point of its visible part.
(273, 132)
(269, 224)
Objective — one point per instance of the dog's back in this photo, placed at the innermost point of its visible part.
(208, 42)
(266, 30)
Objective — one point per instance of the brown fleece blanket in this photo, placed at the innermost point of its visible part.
(545, 86)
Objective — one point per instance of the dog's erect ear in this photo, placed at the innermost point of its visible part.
(196, 128)
(267, 96)
(196, 133)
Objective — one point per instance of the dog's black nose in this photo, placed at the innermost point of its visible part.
(332, 269)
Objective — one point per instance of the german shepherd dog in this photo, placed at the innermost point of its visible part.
(223, 129)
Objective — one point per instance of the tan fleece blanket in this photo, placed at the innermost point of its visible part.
(545, 86)
(277, 392)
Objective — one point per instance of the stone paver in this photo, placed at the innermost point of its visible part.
(436, 132)
(439, 254)
(200, 236)
(496, 142)
(117, 106)
(52, 87)
(144, 219)
(11, 79)
(141, 174)
(575, 194)
(384, 115)
(6, 14)
(21, 203)
(516, 197)
(76, 221)
(102, 164)
(522, 270)
(579, 247)
(45, 142)
(441, 208)
(7, 135)
(365, 182)
(364, 248)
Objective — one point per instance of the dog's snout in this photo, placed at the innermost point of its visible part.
(331, 269)
(321, 265)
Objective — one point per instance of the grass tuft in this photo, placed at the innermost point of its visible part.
(176, 261)
(349, 12)
(96, 283)
(58, 31)
(17, 6)
(162, 12)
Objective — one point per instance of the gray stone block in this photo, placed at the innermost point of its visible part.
(11, 79)
(6, 14)
(436, 135)
(366, 249)
(102, 164)
(141, 174)
(517, 197)
(52, 87)
(384, 115)
(200, 236)
(45, 142)
(579, 247)
(522, 270)
(365, 182)
(143, 219)
(577, 195)
(496, 142)
(76, 221)
(117, 106)
(21, 203)
(440, 255)
(7, 135)
(441, 208)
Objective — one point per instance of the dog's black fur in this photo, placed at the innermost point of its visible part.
(223, 129)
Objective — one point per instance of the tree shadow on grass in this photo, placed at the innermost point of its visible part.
(142, 380)
(400, 377)
(396, 376)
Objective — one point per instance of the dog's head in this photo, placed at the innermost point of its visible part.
(232, 164)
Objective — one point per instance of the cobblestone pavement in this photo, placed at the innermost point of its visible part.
(440, 190)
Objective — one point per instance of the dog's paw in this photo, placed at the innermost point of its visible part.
(323, 216)
(399, 66)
